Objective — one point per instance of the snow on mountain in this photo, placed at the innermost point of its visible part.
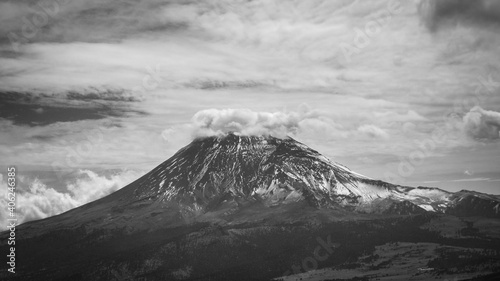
(232, 168)
(231, 207)
(221, 174)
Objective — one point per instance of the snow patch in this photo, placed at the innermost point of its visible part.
(426, 207)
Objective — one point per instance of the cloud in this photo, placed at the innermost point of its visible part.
(181, 57)
(86, 21)
(40, 201)
(373, 131)
(303, 123)
(482, 124)
(474, 179)
(41, 109)
(391, 116)
(246, 122)
(244, 43)
(435, 13)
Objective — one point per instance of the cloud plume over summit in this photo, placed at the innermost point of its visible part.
(303, 122)
(247, 122)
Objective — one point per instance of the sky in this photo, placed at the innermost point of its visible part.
(93, 94)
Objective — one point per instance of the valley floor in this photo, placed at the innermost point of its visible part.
(409, 261)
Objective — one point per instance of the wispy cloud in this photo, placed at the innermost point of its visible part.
(474, 179)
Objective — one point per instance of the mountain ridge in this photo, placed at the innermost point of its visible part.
(222, 174)
(250, 208)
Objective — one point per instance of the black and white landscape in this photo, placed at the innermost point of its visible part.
(256, 208)
(250, 140)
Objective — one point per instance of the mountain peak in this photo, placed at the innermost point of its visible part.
(234, 139)
(214, 177)
(237, 167)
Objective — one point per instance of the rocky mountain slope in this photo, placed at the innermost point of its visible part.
(231, 170)
(231, 206)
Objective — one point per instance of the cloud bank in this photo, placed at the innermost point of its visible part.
(41, 201)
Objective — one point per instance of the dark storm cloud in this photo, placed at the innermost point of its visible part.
(436, 13)
(44, 109)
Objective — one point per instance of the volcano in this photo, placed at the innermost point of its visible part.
(234, 207)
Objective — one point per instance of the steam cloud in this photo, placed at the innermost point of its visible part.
(246, 122)
(41, 201)
(304, 122)
(482, 124)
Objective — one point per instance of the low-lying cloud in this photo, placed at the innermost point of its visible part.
(41, 201)
(482, 124)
